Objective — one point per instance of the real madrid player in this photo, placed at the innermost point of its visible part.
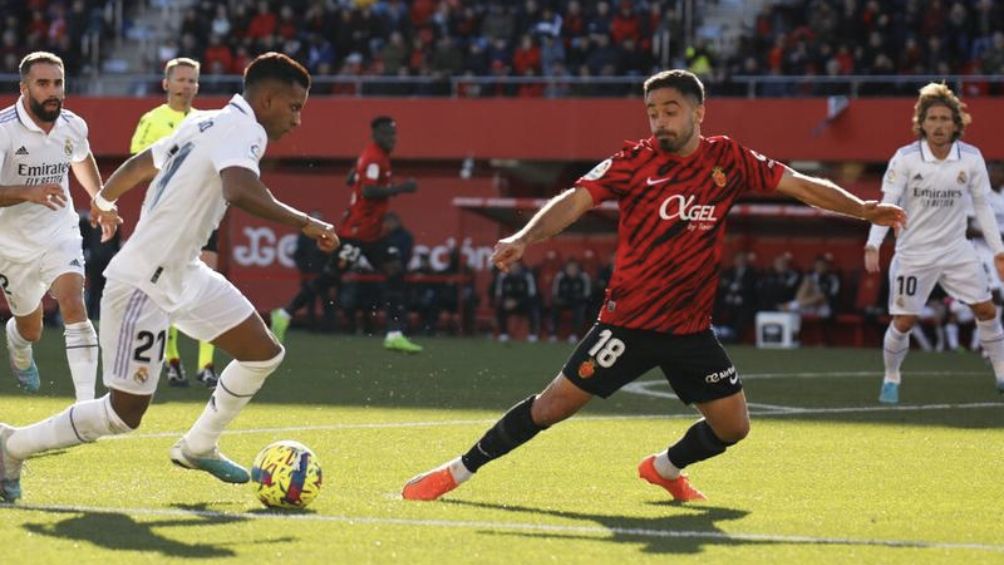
(40, 245)
(157, 278)
(931, 178)
(181, 83)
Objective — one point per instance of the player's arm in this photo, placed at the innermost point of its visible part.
(826, 195)
(374, 191)
(87, 174)
(980, 188)
(49, 195)
(137, 169)
(242, 188)
(560, 212)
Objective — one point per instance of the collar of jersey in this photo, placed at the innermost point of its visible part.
(954, 153)
(26, 121)
(241, 104)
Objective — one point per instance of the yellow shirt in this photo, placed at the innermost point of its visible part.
(156, 124)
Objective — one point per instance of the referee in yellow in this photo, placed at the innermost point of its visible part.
(181, 83)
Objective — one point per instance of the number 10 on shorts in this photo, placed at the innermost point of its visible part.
(607, 349)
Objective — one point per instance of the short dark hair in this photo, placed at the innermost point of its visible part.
(37, 57)
(275, 66)
(685, 81)
(381, 120)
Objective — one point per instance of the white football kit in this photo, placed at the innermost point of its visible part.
(37, 244)
(157, 278)
(933, 248)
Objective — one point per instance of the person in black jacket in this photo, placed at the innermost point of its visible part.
(516, 293)
(571, 291)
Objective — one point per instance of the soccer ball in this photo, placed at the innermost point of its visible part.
(286, 474)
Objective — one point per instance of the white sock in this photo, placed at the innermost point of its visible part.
(952, 333)
(894, 349)
(918, 334)
(20, 347)
(394, 334)
(82, 355)
(992, 340)
(81, 423)
(239, 382)
(939, 332)
(665, 467)
(459, 470)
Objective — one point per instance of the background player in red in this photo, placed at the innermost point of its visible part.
(361, 232)
(674, 191)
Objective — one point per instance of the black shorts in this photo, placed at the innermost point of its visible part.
(377, 253)
(696, 365)
(211, 244)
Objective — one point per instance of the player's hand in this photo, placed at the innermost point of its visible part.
(999, 263)
(321, 232)
(109, 221)
(49, 195)
(871, 259)
(409, 186)
(508, 251)
(885, 214)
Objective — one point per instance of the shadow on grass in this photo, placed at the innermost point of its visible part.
(687, 531)
(121, 532)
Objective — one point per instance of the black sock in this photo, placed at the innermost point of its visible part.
(698, 444)
(513, 430)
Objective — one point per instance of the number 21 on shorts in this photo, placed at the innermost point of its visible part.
(607, 349)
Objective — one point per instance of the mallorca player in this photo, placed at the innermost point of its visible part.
(157, 278)
(931, 178)
(674, 191)
(41, 249)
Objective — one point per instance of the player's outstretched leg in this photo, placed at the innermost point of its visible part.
(679, 487)
(895, 346)
(83, 422)
(238, 383)
(992, 340)
(514, 429)
(22, 362)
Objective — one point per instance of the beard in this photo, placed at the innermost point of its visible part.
(675, 143)
(39, 109)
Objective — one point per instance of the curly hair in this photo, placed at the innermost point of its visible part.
(934, 94)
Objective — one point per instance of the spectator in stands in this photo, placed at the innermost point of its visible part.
(735, 305)
(778, 284)
(516, 293)
(570, 292)
(817, 293)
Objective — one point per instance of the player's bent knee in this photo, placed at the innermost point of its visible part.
(267, 365)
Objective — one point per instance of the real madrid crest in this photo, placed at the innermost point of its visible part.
(68, 148)
(718, 175)
(142, 374)
(961, 179)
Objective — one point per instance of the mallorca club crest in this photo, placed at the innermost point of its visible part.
(587, 369)
(718, 176)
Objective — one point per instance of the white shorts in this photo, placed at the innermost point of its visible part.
(133, 331)
(25, 283)
(962, 276)
(987, 259)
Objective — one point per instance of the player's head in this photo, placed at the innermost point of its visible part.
(384, 130)
(276, 88)
(675, 103)
(939, 116)
(181, 82)
(42, 84)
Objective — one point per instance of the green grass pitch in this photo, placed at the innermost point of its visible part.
(827, 475)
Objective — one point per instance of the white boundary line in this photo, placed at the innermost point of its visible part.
(514, 526)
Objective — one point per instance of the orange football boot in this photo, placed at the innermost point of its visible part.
(430, 485)
(678, 487)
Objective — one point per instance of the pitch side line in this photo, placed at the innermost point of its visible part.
(776, 411)
(514, 526)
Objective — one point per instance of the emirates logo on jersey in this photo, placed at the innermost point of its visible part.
(718, 176)
(678, 206)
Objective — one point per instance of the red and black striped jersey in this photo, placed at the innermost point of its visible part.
(672, 227)
(363, 219)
